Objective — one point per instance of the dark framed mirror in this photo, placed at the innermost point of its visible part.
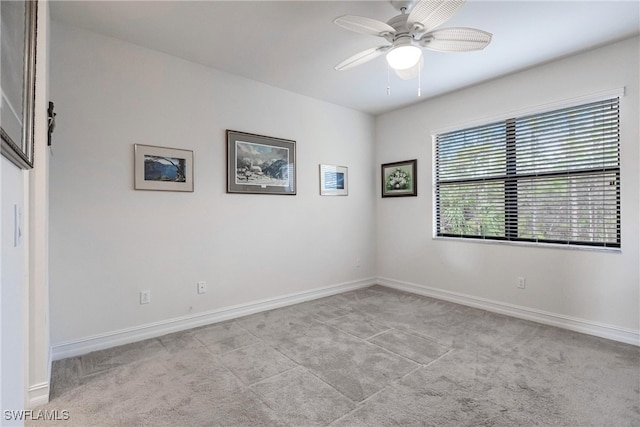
(17, 80)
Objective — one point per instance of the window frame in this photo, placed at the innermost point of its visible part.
(510, 231)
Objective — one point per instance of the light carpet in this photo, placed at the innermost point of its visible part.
(372, 357)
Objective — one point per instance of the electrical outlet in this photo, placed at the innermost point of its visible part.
(357, 262)
(522, 283)
(145, 297)
(202, 287)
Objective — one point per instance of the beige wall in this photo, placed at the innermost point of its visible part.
(110, 241)
(581, 287)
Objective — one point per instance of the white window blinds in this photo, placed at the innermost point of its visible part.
(552, 177)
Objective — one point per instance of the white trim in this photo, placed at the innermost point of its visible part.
(37, 395)
(555, 105)
(434, 193)
(163, 327)
(536, 244)
(125, 336)
(602, 330)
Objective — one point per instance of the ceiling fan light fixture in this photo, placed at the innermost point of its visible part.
(403, 57)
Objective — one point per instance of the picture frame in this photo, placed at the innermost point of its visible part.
(334, 180)
(18, 35)
(399, 179)
(162, 168)
(258, 164)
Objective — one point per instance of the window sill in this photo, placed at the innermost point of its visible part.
(531, 244)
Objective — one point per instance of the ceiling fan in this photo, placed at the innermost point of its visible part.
(409, 33)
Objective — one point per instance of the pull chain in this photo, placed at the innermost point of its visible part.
(419, 79)
(388, 84)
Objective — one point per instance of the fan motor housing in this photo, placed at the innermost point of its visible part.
(399, 23)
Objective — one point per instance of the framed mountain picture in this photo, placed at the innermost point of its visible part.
(258, 164)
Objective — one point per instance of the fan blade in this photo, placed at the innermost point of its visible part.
(362, 25)
(430, 13)
(456, 39)
(361, 57)
(410, 73)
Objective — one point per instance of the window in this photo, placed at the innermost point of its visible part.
(552, 177)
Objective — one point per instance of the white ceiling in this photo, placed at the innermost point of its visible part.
(294, 45)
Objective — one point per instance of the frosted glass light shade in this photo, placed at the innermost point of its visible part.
(404, 57)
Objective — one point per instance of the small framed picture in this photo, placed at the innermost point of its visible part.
(334, 180)
(399, 179)
(258, 164)
(162, 168)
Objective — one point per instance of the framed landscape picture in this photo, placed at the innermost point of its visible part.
(258, 164)
(399, 179)
(334, 180)
(162, 168)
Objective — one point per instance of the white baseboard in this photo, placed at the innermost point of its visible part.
(152, 330)
(611, 332)
(37, 395)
